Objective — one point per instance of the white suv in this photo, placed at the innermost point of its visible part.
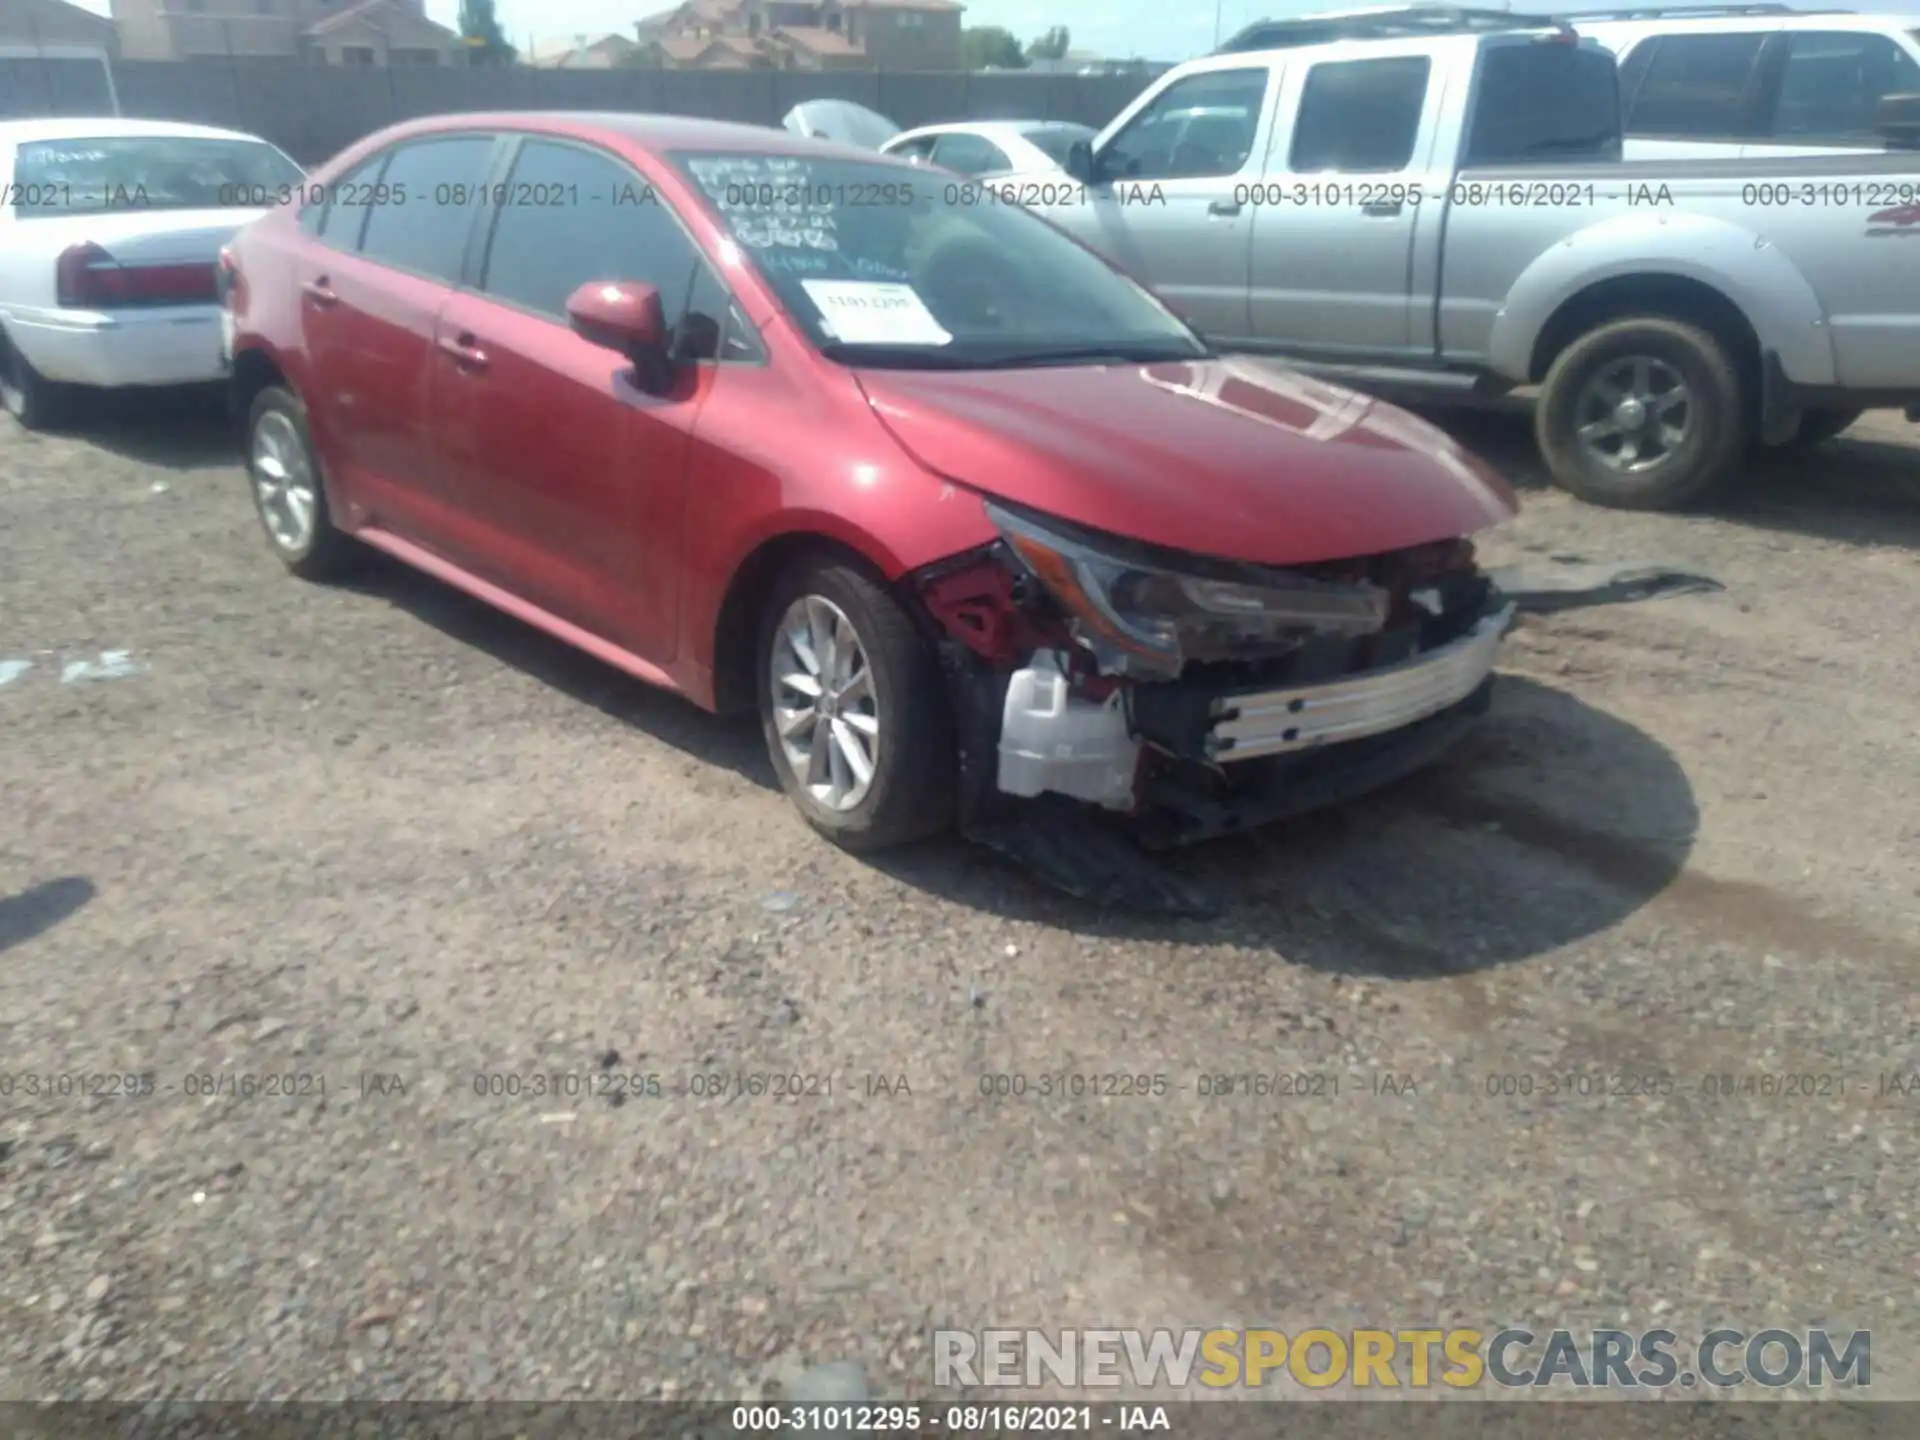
(1754, 80)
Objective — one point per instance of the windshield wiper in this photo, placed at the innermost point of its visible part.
(896, 357)
(935, 357)
(1120, 354)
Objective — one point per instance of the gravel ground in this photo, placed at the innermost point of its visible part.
(383, 841)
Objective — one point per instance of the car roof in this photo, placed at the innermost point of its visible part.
(109, 127)
(1643, 25)
(659, 133)
(987, 128)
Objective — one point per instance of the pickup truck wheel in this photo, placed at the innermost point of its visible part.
(1642, 414)
(855, 710)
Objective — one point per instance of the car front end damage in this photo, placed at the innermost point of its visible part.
(1192, 698)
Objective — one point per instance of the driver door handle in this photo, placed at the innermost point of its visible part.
(1382, 208)
(1224, 207)
(320, 292)
(464, 350)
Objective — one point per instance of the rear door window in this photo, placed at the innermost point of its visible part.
(1633, 71)
(1054, 141)
(918, 149)
(1536, 101)
(424, 207)
(970, 154)
(1698, 87)
(1360, 116)
(1832, 82)
(338, 213)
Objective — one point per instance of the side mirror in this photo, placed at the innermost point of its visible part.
(624, 316)
(1898, 118)
(1081, 163)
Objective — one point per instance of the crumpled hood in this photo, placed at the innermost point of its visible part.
(1238, 459)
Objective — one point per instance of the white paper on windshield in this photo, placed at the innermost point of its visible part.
(868, 312)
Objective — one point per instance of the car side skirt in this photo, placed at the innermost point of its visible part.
(603, 650)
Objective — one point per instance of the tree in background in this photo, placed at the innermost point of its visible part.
(1050, 46)
(988, 46)
(480, 28)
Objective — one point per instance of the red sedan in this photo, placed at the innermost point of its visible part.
(969, 515)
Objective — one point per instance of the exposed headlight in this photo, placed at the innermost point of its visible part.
(1141, 616)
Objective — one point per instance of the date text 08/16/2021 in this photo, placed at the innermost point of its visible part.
(955, 1419)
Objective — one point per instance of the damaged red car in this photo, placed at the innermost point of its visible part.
(970, 517)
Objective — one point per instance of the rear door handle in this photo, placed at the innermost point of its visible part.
(320, 292)
(1224, 207)
(1383, 208)
(465, 351)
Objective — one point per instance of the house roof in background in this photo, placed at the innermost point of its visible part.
(681, 47)
(817, 40)
(390, 18)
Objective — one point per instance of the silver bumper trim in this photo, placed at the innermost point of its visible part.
(1274, 722)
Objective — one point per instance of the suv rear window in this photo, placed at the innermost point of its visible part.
(90, 175)
(1540, 100)
(1833, 81)
(1696, 87)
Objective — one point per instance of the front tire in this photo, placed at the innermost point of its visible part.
(287, 492)
(854, 709)
(35, 401)
(1645, 413)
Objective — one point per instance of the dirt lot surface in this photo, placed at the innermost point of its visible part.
(383, 842)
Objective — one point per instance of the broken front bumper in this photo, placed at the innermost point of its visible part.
(1184, 804)
(1191, 758)
(1274, 722)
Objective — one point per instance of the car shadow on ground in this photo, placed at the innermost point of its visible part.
(1552, 823)
(39, 908)
(1860, 489)
(731, 742)
(175, 429)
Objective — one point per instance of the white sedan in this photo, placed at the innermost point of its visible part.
(110, 236)
(990, 147)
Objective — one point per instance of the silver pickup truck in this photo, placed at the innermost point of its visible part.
(1434, 204)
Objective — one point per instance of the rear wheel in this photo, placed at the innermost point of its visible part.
(287, 493)
(35, 401)
(854, 709)
(1642, 414)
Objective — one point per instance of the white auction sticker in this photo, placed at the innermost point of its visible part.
(869, 312)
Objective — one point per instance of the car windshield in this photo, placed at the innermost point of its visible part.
(90, 175)
(886, 266)
(1054, 141)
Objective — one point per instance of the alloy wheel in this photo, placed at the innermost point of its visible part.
(825, 710)
(283, 482)
(1634, 414)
